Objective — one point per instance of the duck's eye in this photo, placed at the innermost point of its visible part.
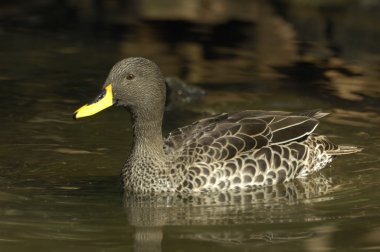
(130, 77)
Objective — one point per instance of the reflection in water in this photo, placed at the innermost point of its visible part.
(354, 118)
(275, 55)
(270, 204)
(236, 37)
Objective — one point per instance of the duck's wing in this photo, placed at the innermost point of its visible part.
(226, 135)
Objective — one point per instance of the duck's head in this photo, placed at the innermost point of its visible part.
(135, 83)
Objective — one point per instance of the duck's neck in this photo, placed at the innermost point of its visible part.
(146, 163)
(147, 134)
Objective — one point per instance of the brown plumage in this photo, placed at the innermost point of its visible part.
(228, 151)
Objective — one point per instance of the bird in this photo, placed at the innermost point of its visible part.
(228, 151)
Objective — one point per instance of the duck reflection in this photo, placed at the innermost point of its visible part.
(229, 211)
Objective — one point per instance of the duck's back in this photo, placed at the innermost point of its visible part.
(249, 148)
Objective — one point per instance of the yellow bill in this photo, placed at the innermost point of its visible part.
(103, 101)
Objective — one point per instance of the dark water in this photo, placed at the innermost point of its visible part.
(59, 178)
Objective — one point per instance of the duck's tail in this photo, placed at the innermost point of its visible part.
(343, 150)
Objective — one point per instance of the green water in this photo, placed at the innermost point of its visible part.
(59, 178)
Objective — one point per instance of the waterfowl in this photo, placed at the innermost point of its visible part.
(179, 93)
(227, 151)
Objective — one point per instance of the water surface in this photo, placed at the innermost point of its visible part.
(59, 178)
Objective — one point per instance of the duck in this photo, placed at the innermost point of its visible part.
(228, 151)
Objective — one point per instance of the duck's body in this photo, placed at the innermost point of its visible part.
(240, 150)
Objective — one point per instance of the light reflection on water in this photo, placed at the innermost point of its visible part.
(45, 199)
(59, 179)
